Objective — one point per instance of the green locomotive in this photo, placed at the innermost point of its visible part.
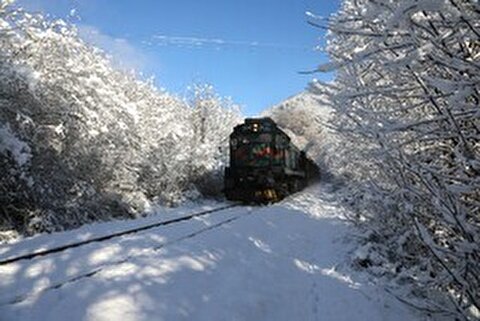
(264, 164)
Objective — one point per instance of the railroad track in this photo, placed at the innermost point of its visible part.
(18, 298)
(109, 236)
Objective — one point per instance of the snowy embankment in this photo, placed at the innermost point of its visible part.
(282, 262)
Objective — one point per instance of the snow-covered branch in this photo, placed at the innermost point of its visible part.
(406, 103)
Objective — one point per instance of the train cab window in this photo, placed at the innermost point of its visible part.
(294, 160)
(265, 138)
(291, 159)
(267, 127)
(280, 141)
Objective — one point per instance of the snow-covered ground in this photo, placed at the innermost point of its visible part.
(282, 262)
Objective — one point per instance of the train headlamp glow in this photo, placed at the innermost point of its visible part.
(255, 127)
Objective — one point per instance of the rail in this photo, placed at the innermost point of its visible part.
(109, 236)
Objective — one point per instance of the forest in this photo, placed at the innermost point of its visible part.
(82, 141)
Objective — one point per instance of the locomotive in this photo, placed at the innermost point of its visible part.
(265, 166)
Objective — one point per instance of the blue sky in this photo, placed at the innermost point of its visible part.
(250, 50)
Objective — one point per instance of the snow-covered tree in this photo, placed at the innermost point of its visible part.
(212, 118)
(83, 141)
(406, 96)
(305, 119)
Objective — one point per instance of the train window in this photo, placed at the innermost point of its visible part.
(267, 127)
(252, 138)
(294, 160)
(281, 141)
(265, 138)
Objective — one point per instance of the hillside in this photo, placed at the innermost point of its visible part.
(305, 117)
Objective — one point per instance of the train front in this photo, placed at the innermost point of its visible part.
(254, 162)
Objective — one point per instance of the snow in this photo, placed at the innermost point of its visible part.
(42, 242)
(282, 262)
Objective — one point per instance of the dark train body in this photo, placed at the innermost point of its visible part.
(264, 164)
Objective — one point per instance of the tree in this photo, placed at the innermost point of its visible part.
(212, 118)
(102, 143)
(406, 96)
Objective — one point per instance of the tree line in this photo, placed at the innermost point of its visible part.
(406, 111)
(82, 141)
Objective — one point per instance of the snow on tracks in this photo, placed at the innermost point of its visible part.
(101, 238)
(25, 280)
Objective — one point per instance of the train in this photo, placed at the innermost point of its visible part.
(264, 165)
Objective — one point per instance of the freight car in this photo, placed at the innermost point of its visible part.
(265, 166)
